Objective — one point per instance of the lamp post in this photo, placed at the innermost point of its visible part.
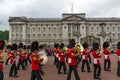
(102, 33)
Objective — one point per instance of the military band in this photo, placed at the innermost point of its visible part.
(19, 55)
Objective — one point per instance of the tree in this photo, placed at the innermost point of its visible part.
(4, 35)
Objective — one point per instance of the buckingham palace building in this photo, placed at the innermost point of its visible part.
(70, 26)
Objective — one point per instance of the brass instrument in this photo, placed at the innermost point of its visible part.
(65, 48)
(44, 59)
(3, 56)
(79, 48)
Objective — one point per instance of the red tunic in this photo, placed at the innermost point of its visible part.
(1, 67)
(35, 62)
(12, 58)
(72, 59)
(118, 54)
(61, 56)
(56, 52)
(85, 54)
(106, 54)
(96, 57)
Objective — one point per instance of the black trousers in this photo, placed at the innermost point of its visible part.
(62, 64)
(6, 63)
(83, 65)
(97, 71)
(26, 61)
(89, 57)
(107, 64)
(79, 59)
(21, 62)
(35, 75)
(73, 68)
(118, 69)
(13, 69)
(55, 60)
(1, 75)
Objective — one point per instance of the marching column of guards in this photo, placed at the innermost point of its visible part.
(19, 55)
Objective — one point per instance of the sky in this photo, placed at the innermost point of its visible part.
(55, 9)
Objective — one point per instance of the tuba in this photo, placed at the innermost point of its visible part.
(43, 57)
(79, 48)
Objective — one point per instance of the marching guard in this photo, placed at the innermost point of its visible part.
(72, 61)
(96, 63)
(21, 57)
(56, 53)
(13, 69)
(85, 57)
(62, 59)
(118, 54)
(35, 74)
(2, 43)
(107, 62)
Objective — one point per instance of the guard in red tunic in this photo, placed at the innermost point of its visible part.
(118, 54)
(72, 60)
(56, 53)
(2, 43)
(8, 52)
(13, 69)
(28, 56)
(85, 57)
(21, 57)
(35, 74)
(96, 63)
(62, 60)
(106, 52)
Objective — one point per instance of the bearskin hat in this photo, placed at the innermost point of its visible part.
(56, 45)
(85, 45)
(14, 46)
(95, 46)
(24, 47)
(105, 44)
(41, 46)
(2, 44)
(62, 45)
(118, 45)
(71, 43)
(20, 45)
(34, 46)
(8, 47)
(28, 47)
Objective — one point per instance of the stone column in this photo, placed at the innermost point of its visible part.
(10, 34)
(24, 33)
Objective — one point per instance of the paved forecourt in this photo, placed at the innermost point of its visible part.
(51, 72)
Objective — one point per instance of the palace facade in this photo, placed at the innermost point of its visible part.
(70, 26)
